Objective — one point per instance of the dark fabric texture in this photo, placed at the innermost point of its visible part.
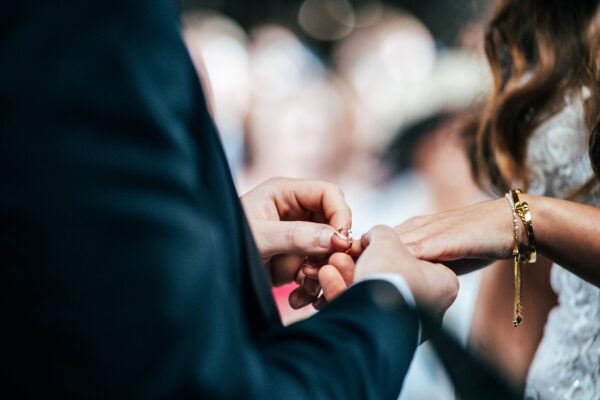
(128, 270)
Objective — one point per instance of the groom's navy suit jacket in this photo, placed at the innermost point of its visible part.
(127, 269)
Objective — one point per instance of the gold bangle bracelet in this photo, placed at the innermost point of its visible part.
(525, 215)
(522, 209)
(514, 202)
(529, 253)
(514, 194)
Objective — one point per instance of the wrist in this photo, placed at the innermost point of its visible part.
(541, 215)
(511, 230)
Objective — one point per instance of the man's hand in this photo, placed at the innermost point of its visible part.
(295, 223)
(334, 277)
(433, 285)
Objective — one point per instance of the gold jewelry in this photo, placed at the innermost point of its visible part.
(521, 210)
(525, 216)
(516, 220)
(517, 316)
(515, 205)
(347, 229)
(514, 201)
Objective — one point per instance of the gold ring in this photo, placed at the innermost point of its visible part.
(343, 228)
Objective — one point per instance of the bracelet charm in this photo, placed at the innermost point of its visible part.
(521, 214)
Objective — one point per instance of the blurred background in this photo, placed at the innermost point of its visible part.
(371, 95)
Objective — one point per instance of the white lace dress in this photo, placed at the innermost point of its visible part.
(567, 362)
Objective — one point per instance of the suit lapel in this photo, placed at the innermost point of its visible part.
(255, 284)
(266, 314)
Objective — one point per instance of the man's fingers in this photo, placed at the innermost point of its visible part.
(317, 197)
(320, 303)
(300, 298)
(311, 286)
(339, 242)
(284, 269)
(328, 199)
(345, 265)
(300, 238)
(311, 270)
(332, 282)
(355, 249)
(378, 233)
(300, 277)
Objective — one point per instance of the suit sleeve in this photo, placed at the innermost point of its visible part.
(124, 291)
(118, 278)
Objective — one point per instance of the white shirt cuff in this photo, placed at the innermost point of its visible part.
(399, 283)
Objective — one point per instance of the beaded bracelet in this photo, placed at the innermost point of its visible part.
(516, 222)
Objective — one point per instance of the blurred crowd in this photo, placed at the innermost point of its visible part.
(380, 113)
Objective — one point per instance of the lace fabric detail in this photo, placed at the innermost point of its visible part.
(567, 362)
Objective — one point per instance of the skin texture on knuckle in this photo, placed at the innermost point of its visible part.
(333, 192)
(412, 223)
(338, 192)
(291, 236)
(415, 248)
(432, 248)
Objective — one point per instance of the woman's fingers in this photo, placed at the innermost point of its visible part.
(431, 240)
(426, 249)
(412, 224)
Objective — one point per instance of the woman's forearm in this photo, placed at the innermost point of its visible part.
(568, 233)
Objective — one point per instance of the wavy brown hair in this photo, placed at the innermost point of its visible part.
(539, 52)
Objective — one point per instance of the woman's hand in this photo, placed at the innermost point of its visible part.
(480, 232)
(433, 286)
(295, 223)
